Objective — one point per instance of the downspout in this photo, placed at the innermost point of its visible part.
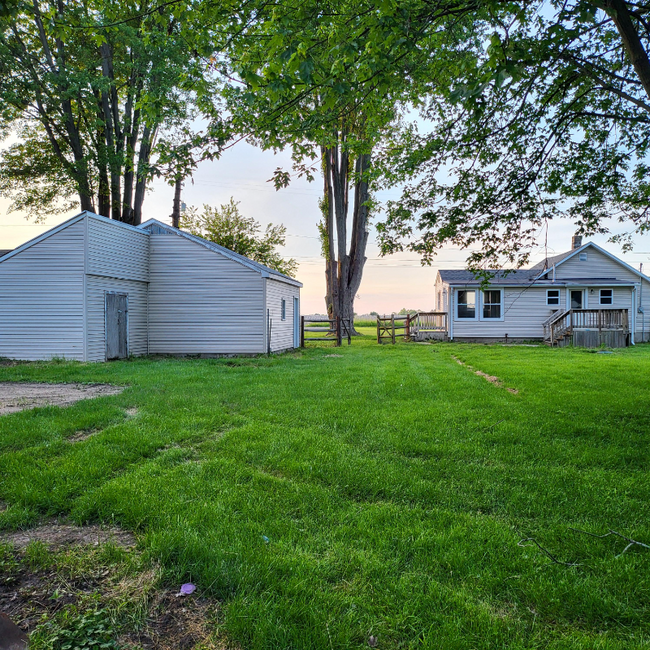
(641, 310)
(633, 319)
(450, 312)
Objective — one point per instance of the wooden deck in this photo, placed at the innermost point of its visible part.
(588, 328)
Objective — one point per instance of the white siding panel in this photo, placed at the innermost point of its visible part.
(200, 302)
(643, 320)
(281, 330)
(597, 265)
(96, 287)
(524, 312)
(115, 251)
(41, 298)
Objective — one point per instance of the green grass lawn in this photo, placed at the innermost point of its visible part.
(381, 492)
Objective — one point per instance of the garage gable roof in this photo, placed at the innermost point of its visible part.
(264, 271)
(68, 222)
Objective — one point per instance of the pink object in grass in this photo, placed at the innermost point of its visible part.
(187, 589)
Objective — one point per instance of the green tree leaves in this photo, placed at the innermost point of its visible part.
(227, 226)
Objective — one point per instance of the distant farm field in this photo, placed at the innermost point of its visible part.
(336, 497)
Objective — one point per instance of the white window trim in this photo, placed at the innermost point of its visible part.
(600, 298)
(559, 298)
(477, 305)
(585, 296)
(503, 306)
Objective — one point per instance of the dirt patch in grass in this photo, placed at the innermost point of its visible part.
(176, 623)
(132, 412)
(139, 611)
(18, 396)
(82, 434)
(491, 378)
(57, 536)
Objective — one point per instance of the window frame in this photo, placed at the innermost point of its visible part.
(611, 297)
(501, 304)
(559, 298)
(476, 306)
(283, 309)
(582, 257)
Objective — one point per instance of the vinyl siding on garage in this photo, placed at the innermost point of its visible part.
(201, 302)
(96, 287)
(42, 298)
(281, 330)
(116, 250)
(117, 260)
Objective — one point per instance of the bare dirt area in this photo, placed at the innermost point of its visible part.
(175, 623)
(57, 536)
(491, 378)
(18, 396)
(31, 593)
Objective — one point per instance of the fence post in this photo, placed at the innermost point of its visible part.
(349, 330)
(302, 331)
(407, 329)
(392, 323)
(338, 332)
(378, 337)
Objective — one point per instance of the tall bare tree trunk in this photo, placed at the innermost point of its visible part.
(176, 209)
(343, 269)
(148, 135)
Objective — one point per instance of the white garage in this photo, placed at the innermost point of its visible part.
(94, 289)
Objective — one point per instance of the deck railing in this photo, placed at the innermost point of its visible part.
(429, 321)
(563, 323)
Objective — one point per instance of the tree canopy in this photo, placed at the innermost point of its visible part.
(227, 226)
(548, 117)
(90, 89)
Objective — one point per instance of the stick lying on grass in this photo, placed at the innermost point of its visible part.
(632, 542)
(548, 554)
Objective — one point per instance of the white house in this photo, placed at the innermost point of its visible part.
(93, 289)
(586, 296)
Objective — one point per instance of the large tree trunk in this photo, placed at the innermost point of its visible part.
(148, 135)
(619, 12)
(176, 208)
(343, 269)
(113, 131)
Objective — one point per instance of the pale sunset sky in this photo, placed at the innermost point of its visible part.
(389, 283)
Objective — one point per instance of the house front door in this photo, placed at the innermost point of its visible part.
(117, 331)
(576, 299)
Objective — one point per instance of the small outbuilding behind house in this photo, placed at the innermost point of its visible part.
(93, 289)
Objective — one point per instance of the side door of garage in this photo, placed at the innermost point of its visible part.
(117, 325)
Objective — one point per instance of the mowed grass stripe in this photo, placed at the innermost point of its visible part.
(392, 484)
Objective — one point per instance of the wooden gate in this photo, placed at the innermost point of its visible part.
(117, 325)
(331, 330)
(389, 327)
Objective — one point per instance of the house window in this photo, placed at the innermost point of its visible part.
(283, 309)
(492, 304)
(606, 296)
(553, 297)
(439, 300)
(583, 257)
(466, 308)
